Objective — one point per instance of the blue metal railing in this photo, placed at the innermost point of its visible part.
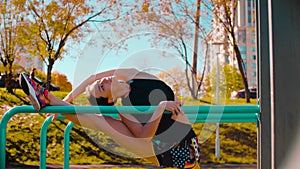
(196, 114)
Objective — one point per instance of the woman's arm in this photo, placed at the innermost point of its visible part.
(85, 83)
(149, 129)
(124, 74)
(127, 74)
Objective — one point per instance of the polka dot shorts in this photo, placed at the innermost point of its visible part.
(187, 154)
(180, 156)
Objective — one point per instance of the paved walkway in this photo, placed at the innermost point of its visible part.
(109, 166)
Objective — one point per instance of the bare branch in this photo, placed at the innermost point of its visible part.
(64, 39)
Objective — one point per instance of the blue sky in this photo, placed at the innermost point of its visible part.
(88, 59)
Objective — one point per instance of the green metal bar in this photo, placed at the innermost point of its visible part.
(43, 142)
(209, 114)
(67, 145)
(147, 109)
(2, 144)
(223, 118)
(227, 121)
(3, 125)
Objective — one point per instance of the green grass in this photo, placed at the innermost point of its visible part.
(238, 140)
(209, 101)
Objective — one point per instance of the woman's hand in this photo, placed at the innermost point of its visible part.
(172, 106)
(177, 113)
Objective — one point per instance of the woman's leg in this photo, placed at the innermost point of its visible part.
(114, 128)
(119, 132)
(91, 120)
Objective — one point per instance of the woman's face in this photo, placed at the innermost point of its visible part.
(101, 88)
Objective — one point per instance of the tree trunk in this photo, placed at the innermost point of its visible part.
(243, 72)
(49, 70)
(195, 53)
(9, 83)
(9, 80)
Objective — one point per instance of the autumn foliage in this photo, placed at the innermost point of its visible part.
(58, 79)
(61, 80)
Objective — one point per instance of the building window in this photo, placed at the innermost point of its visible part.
(242, 36)
(243, 49)
(226, 59)
(253, 41)
(244, 56)
(253, 57)
(253, 74)
(249, 2)
(249, 20)
(253, 65)
(253, 49)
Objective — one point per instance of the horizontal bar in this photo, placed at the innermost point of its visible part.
(226, 121)
(208, 118)
(194, 113)
(135, 109)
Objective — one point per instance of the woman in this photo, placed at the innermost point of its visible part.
(170, 135)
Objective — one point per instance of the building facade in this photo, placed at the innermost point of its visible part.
(245, 32)
(246, 38)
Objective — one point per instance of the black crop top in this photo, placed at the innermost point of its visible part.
(147, 92)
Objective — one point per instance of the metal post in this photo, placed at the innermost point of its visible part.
(43, 141)
(3, 124)
(217, 146)
(67, 145)
(264, 143)
(2, 145)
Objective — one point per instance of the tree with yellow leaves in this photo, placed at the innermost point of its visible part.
(10, 48)
(173, 25)
(53, 24)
